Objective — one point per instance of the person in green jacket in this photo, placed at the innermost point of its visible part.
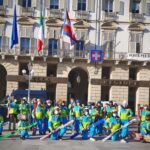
(1, 124)
(39, 115)
(143, 113)
(24, 107)
(13, 110)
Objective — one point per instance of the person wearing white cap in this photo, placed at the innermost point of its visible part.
(55, 122)
(125, 115)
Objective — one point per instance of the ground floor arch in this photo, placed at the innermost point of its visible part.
(3, 82)
(78, 85)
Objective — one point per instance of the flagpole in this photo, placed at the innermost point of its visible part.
(96, 68)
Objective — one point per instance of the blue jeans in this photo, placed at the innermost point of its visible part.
(77, 123)
(45, 124)
(88, 133)
(57, 134)
(39, 124)
(24, 134)
(115, 137)
(1, 129)
(63, 130)
(124, 131)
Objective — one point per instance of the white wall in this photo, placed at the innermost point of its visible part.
(122, 35)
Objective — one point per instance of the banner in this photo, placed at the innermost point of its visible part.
(96, 56)
(138, 56)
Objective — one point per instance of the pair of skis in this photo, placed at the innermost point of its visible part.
(59, 128)
(17, 131)
(126, 125)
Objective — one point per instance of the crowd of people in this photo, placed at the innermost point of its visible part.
(49, 117)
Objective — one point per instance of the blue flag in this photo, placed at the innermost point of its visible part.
(14, 36)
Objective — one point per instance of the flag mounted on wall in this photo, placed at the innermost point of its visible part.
(68, 35)
(96, 56)
(14, 35)
(41, 34)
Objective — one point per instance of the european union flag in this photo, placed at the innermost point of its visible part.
(14, 36)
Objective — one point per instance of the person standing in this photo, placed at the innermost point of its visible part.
(77, 110)
(39, 115)
(85, 126)
(13, 110)
(55, 121)
(1, 124)
(125, 116)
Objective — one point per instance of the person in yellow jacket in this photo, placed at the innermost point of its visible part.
(13, 110)
(114, 124)
(125, 115)
(1, 124)
(39, 116)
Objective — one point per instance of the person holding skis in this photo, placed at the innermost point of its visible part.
(85, 122)
(114, 124)
(22, 124)
(125, 116)
(55, 121)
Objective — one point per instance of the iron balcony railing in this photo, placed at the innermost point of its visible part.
(27, 11)
(109, 16)
(82, 15)
(55, 13)
(73, 54)
(136, 17)
(2, 10)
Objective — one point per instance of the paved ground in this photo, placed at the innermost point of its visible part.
(14, 143)
(35, 144)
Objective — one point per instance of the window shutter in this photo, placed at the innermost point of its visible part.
(111, 36)
(105, 36)
(45, 47)
(61, 4)
(132, 47)
(148, 9)
(74, 4)
(22, 31)
(34, 3)
(26, 32)
(51, 33)
(33, 46)
(5, 2)
(47, 3)
(20, 2)
(1, 30)
(121, 12)
(38, 4)
(5, 43)
(143, 7)
(78, 35)
(103, 5)
(10, 3)
(116, 5)
(29, 32)
(87, 45)
(91, 5)
(57, 34)
(131, 2)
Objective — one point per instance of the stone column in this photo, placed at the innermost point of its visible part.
(94, 91)
(11, 86)
(61, 91)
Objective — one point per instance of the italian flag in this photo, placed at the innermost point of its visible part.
(41, 34)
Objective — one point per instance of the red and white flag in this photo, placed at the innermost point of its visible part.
(41, 34)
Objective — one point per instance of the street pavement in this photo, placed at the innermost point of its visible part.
(34, 143)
